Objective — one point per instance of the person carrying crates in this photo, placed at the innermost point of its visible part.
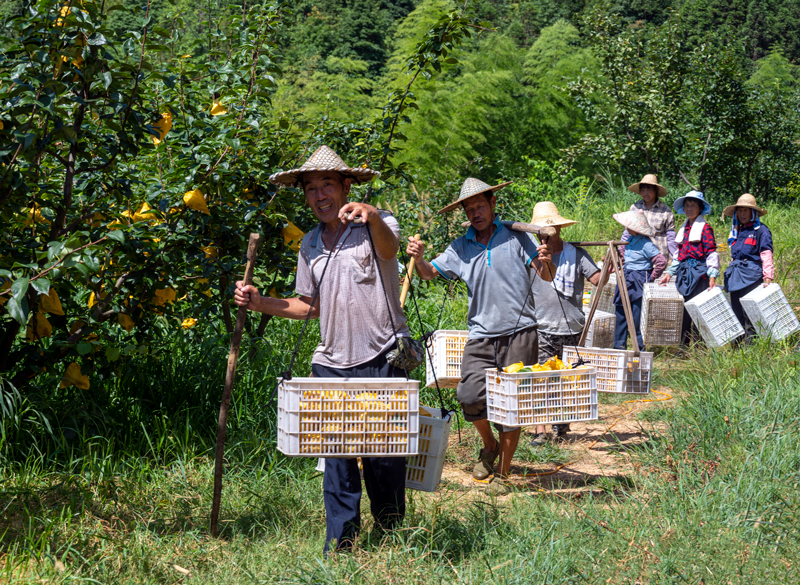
(752, 265)
(643, 263)
(357, 328)
(698, 262)
(559, 304)
(493, 262)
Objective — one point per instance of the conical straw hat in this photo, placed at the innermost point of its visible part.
(635, 220)
(323, 159)
(649, 180)
(470, 188)
(546, 213)
(745, 200)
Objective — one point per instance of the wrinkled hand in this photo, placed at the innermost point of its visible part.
(545, 253)
(415, 248)
(358, 212)
(246, 296)
(712, 282)
(665, 278)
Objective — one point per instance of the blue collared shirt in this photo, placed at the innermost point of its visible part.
(639, 253)
(497, 280)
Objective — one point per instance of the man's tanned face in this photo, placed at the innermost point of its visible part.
(480, 210)
(326, 193)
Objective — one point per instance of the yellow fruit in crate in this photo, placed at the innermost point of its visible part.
(514, 368)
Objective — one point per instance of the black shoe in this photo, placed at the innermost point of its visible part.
(560, 432)
(539, 439)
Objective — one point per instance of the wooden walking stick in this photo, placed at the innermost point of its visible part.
(409, 274)
(230, 375)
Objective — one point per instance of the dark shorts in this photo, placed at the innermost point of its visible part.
(553, 345)
(480, 354)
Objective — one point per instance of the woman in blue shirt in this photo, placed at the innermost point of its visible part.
(643, 263)
(751, 264)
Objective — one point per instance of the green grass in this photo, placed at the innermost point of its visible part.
(714, 499)
(114, 484)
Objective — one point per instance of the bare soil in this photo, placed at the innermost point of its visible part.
(593, 450)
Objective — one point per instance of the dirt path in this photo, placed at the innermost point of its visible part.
(592, 452)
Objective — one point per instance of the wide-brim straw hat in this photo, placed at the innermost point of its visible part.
(745, 200)
(635, 220)
(678, 205)
(649, 180)
(546, 213)
(324, 159)
(471, 188)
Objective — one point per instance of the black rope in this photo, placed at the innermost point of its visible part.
(425, 339)
(386, 296)
(287, 375)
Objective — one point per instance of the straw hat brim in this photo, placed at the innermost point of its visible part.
(292, 177)
(461, 200)
(622, 220)
(660, 189)
(731, 209)
(553, 221)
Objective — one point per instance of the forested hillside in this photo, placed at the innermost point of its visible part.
(540, 77)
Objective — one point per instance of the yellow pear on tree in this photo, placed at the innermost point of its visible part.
(50, 303)
(163, 125)
(43, 328)
(217, 109)
(292, 236)
(195, 200)
(125, 321)
(73, 377)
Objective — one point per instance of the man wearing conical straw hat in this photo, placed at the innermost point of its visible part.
(493, 262)
(658, 214)
(358, 324)
(559, 304)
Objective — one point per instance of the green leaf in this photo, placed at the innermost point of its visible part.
(18, 310)
(19, 288)
(84, 347)
(106, 79)
(41, 285)
(97, 40)
(117, 235)
(112, 354)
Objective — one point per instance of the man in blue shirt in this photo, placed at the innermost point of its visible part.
(493, 262)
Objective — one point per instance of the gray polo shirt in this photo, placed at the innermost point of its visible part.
(549, 301)
(496, 277)
(354, 318)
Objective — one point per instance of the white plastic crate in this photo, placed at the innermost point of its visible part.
(348, 417)
(662, 314)
(601, 330)
(446, 348)
(618, 371)
(424, 471)
(541, 398)
(606, 302)
(770, 312)
(712, 314)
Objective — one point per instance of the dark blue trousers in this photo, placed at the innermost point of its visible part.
(738, 310)
(621, 326)
(384, 477)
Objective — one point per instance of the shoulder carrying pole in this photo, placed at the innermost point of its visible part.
(230, 375)
(407, 279)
